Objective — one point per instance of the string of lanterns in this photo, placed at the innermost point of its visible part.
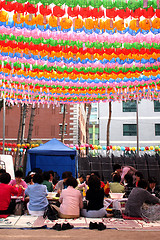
(13, 147)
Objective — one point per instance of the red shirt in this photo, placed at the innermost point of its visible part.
(5, 195)
(102, 184)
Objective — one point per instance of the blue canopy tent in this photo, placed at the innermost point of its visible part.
(53, 155)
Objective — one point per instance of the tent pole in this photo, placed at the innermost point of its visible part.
(4, 112)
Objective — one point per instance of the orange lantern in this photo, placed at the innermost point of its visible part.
(30, 20)
(133, 25)
(40, 20)
(145, 24)
(89, 24)
(17, 19)
(4, 16)
(120, 25)
(53, 21)
(156, 23)
(66, 23)
(78, 23)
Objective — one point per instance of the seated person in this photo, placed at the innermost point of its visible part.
(62, 183)
(2, 171)
(115, 186)
(138, 196)
(95, 197)
(97, 174)
(80, 180)
(84, 185)
(53, 178)
(71, 200)
(6, 205)
(153, 188)
(128, 184)
(19, 183)
(139, 176)
(37, 196)
(46, 177)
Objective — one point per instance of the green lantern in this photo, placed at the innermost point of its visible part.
(132, 4)
(32, 1)
(108, 4)
(46, 2)
(96, 3)
(58, 2)
(120, 4)
(83, 3)
(71, 3)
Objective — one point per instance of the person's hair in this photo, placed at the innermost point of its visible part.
(139, 174)
(66, 174)
(152, 180)
(37, 178)
(71, 181)
(116, 166)
(5, 178)
(96, 174)
(129, 179)
(51, 172)
(37, 170)
(94, 183)
(2, 171)
(116, 178)
(46, 176)
(82, 176)
(18, 174)
(28, 179)
(142, 184)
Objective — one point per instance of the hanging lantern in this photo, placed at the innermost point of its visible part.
(124, 13)
(58, 12)
(148, 13)
(97, 12)
(8, 6)
(111, 13)
(73, 12)
(85, 12)
(137, 13)
(45, 10)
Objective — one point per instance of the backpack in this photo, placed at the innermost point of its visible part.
(51, 213)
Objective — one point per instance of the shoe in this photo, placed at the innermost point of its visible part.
(101, 226)
(117, 213)
(93, 225)
(57, 227)
(66, 226)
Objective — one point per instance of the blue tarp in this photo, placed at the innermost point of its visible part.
(53, 155)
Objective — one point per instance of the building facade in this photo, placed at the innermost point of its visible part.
(47, 123)
(123, 127)
(94, 124)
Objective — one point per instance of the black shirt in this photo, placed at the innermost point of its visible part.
(95, 198)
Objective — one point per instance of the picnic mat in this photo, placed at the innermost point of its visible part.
(31, 222)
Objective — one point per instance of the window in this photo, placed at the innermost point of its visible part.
(129, 129)
(36, 131)
(129, 106)
(156, 106)
(96, 136)
(61, 108)
(65, 129)
(90, 136)
(157, 129)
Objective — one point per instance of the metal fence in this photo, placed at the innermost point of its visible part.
(148, 165)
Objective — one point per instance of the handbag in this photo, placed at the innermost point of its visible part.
(51, 213)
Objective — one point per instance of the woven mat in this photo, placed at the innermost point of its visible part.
(27, 221)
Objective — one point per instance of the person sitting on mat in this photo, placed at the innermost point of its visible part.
(95, 198)
(71, 200)
(138, 196)
(37, 196)
(62, 183)
(6, 190)
(115, 186)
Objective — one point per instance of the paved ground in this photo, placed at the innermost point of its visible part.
(83, 234)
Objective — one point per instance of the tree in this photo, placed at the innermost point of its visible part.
(29, 138)
(108, 124)
(88, 109)
(63, 123)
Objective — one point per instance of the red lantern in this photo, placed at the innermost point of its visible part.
(137, 13)
(149, 12)
(45, 10)
(1, 149)
(31, 9)
(5, 144)
(9, 144)
(147, 148)
(158, 13)
(108, 148)
(1, 143)
(85, 12)
(58, 12)
(111, 13)
(12, 149)
(14, 145)
(73, 12)
(8, 6)
(124, 13)
(97, 12)
(19, 7)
